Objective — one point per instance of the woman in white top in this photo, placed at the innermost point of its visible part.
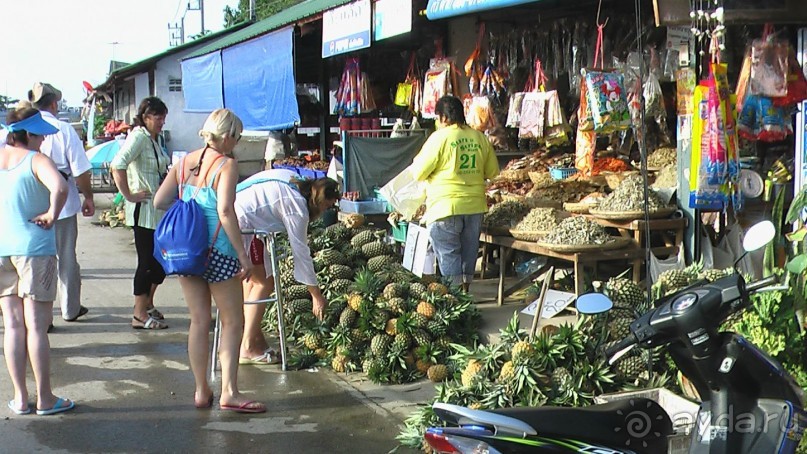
(276, 201)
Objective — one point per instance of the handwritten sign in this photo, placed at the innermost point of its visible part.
(554, 303)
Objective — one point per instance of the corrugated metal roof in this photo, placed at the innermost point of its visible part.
(137, 67)
(288, 16)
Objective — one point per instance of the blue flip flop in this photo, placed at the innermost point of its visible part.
(13, 407)
(59, 407)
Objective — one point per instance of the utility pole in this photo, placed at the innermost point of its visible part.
(200, 6)
(176, 33)
(252, 10)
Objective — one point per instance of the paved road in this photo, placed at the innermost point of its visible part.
(135, 391)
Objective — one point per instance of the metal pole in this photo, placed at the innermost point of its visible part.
(202, 12)
(252, 10)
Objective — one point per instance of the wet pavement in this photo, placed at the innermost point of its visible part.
(134, 390)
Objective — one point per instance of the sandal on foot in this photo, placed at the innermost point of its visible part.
(251, 406)
(155, 314)
(81, 313)
(13, 407)
(61, 405)
(149, 323)
(266, 358)
(208, 404)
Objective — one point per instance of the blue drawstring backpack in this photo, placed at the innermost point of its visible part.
(180, 239)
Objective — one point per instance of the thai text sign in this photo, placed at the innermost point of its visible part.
(346, 28)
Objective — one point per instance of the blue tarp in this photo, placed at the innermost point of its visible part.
(440, 9)
(202, 83)
(259, 81)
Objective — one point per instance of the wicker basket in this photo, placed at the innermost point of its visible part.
(527, 235)
(579, 208)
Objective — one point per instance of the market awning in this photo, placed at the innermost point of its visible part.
(202, 83)
(258, 80)
(440, 9)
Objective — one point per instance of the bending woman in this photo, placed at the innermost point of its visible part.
(33, 195)
(209, 176)
(276, 201)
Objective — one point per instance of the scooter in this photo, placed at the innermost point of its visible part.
(750, 403)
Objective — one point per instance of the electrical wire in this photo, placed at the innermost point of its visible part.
(179, 4)
(642, 131)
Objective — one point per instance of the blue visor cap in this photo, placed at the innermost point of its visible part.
(34, 124)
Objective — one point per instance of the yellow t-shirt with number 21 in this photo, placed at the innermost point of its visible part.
(455, 161)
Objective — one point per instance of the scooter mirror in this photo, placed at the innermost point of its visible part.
(759, 235)
(593, 303)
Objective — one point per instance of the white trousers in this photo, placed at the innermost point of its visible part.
(69, 290)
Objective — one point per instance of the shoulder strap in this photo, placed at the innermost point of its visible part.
(216, 172)
(204, 177)
(181, 177)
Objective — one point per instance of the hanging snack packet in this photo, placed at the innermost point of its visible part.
(607, 100)
(435, 86)
(769, 67)
(796, 84)
(685, 82)
(585, 147)
(584, 118)
(479, 113)
(533, 116)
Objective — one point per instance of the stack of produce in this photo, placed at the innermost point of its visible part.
(630, 196)
(609, 165)
(539, 220)
(662, 157)
(565, 367)
(564, 191)
(505, 215)
(381, 318)
(577, 230)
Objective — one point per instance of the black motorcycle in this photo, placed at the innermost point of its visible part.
(750, 403)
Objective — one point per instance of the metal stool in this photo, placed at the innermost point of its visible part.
(268, 239)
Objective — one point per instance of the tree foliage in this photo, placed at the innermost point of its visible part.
(263, 9)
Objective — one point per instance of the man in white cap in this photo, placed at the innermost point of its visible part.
(67, 152)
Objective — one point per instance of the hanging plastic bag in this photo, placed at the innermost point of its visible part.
(653, 98)
(435, 86)
(514, 110)
(743, 81)
(607, 101)
(658, 266)
(769, 64)
(707, 255)
(685, 82)
(366, 100)
(348, 95)
(403, 94)
(796, 84)
(585, 121)
(703, 194)
(533, 116)
(479, 113)
(585, 147)
(405, 194)
(557, 127)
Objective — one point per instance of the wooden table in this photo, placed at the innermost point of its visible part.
(632, 253)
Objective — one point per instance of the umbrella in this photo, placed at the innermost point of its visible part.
(101, 155)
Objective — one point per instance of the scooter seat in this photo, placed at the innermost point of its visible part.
(638, 424)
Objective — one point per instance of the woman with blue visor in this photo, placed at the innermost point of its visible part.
(33, 195)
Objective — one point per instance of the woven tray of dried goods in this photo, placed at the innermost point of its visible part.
(526, 235)
(616, 242)
(658, 213)
(496, 230)
(579, 207)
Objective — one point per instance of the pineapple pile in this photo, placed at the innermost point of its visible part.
(671, 281)
(381, 319)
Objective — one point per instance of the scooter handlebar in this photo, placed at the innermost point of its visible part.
(762, 283)
(621, 345)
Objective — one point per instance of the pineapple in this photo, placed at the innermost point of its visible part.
(340, 287)
(473, 373)
(522, 352)
(475, 405)
(299, 306)
(437, 373)
(562, 380)
(392, 327)
(321, 353)
(394, 290)
(713, 275)
(313, 340)
(337, 232)
(619, 328)
(630, 367)
(296, 292)
(421, 337)
(436, 288)
(378, 263)
(672, 280)
(426, 309)
(339, 271)
(339, 363)
(354, 300)
(437, 328)
(363, 237)
(327, 257)
(371, 364)
(380, 344)
(366, 283)
(418, 290)
(418, 320)
(508, 372)
(423, 366)
(442, 342)
(348, 317)
(624, 292)
(396, 305)
(402, 341)
(374, 249)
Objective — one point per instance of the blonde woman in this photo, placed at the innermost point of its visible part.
(209, 176)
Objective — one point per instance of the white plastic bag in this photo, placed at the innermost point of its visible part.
(658, 266)
(404, 193)
(335, 170)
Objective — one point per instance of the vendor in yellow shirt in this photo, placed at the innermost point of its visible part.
(455, 161)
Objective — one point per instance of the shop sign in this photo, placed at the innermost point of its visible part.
(346, 28)
(439, 9)
(391, 18)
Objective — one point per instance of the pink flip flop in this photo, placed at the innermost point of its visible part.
(251, 406)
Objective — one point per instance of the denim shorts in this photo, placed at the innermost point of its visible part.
(455, 241)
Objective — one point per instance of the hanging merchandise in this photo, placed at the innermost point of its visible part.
(403, 94)
(557, 127)
(606, 93)
(366, 100)
(348, 95)
(436, 85)
(514, 110)
(585, 147)
(704, 193)
(653, 98)
(473, 66)
(796, 83)
(727, 127)
(585, 121)
(761, 120)
(533, 116)
(479, 113)
(743, 81)
(685, 82)
(769, 66)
